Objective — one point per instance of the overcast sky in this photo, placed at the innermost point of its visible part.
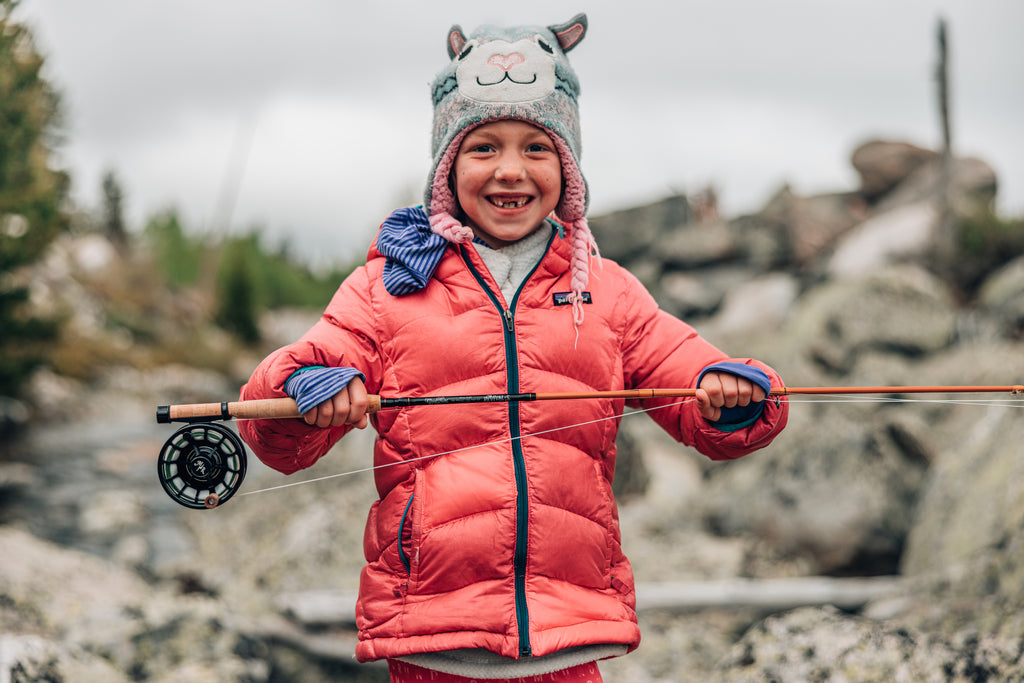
(311, 118)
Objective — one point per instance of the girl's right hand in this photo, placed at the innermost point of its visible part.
(347, 407)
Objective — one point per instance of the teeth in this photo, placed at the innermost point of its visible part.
(511, 204)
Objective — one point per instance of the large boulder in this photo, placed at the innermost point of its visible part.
(810, 226)
(697, 245)
(631, 233)
(758, 304)
(900, 310)
(903, 233)
(969, 186)
(966, 549)
(29, 657)
(1002, 296)
(91, 591)
(884, 164)
(79, 617)
(822, 644)
(838, 488)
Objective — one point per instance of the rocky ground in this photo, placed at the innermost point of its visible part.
(103, 578)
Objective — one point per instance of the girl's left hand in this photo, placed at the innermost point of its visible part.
(721, 389)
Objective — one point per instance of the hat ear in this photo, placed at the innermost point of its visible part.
(571, 32)
(456, 41)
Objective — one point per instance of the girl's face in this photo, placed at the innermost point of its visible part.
(508, 178)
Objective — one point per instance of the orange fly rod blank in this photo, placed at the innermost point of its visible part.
(997, 389)
(279, 408)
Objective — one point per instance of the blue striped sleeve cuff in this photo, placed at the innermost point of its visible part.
(313, 385)
(740, 417)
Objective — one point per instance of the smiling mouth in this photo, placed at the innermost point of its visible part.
(509, 203)
(507, 77)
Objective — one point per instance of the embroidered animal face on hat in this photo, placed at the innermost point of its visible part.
(509, 73)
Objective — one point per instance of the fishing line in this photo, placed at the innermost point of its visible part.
(825, 399)
(1007, 402)
(793, 398)
(203, 464)
(466, 448)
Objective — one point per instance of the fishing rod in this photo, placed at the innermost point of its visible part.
(203, 464)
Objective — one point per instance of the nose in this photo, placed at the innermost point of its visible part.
(510, 169)
(506, 62)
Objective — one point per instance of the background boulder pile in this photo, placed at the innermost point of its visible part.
(103, 578)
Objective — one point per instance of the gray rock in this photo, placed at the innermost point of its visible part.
(884, 164)
(821, 644)
(626, 234)
(966, 547)
(1002, 295)
(842, 495)
(972, 186)
(697, 245)
(35, 658)
(901, 234)
(901, 310)
(14, 415)
(762, 303)
(808, 226)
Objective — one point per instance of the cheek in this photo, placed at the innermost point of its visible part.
(463, 180)
(551, 181)
(457, 183)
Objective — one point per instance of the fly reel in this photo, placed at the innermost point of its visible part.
(202, 465)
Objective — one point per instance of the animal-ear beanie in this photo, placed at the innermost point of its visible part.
(519, 73)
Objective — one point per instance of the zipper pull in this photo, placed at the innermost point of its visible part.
(508, 319)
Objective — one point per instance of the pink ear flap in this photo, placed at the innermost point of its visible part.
(571, 32)
(456, 41)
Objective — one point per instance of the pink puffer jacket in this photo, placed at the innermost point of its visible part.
(505, 543)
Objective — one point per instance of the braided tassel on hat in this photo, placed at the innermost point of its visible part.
(583, 249)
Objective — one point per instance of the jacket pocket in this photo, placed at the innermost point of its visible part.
(410, 527)
(608, 520)
(371, 542)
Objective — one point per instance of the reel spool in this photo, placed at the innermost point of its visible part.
(202, 465)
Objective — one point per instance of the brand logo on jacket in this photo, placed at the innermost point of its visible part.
(565, 298)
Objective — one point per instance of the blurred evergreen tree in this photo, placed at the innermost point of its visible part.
(113, 211)
(238, 291)
(31, 194)
(177, 256)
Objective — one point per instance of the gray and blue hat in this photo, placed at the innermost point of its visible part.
(518, 73)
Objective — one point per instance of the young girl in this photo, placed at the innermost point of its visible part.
(493, 551)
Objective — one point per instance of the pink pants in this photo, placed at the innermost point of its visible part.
(403, 672)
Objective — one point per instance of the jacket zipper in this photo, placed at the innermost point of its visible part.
(518, 460)
(406, 562)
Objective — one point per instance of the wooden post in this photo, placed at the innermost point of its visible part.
(945, 236)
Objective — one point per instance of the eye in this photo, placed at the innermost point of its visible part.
(465, 52)
(544, 46)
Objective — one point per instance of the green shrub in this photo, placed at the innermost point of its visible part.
(985, 241)
(239, 290)
(178, 257)
(252, 279)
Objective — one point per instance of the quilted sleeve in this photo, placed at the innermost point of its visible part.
(661, 351)
(343, 337)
